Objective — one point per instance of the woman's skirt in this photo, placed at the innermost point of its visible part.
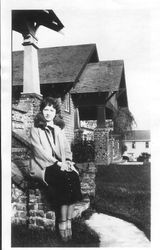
(63, 187)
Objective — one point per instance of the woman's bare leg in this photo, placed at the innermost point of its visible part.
(63, 222)
(70, 211)
(63, 212)
(69, 220)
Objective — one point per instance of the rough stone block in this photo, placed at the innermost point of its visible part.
(31, 206)
(37, 192)
(32, 213)
(21, 206)
(23, 215)
(41, 206)
(50, 215)
(50, 224)
(31, 191)
(39, 199)
(40, 222)
(32, 197)
(40, 213)
(32, 226)
(32, 221)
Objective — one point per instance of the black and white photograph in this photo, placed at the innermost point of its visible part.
(79, 101)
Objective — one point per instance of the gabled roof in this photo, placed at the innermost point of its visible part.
(138, 135)
(57, 64)
(103, 76)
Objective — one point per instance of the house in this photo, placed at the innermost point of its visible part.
(137, 142)
(60, 69)
(88, 89)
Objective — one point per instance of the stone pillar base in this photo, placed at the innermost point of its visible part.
(101, 139)
(87, 173)
(32, 210)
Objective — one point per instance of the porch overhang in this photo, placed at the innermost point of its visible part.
(27, 21)
(101, 84)
(87, 104)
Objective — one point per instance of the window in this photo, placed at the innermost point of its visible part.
(147, 144)
(67, 103)
(133, 144)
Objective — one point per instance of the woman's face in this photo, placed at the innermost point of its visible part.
(49, 113)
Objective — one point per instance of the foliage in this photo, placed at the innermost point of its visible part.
(123, 121)
(143, 157)
(83, 151)
(123, 148)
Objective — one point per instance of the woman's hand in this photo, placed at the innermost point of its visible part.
(63, 166)
(70, 165)
(66, 166)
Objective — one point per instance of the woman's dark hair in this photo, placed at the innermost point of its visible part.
(50, 101)
(40, 121)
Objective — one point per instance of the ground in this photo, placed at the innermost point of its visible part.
(83, 236)
(122, 191)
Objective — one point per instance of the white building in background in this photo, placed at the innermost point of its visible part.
(137, 142)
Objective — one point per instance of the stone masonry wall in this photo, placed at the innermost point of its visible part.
(87, 178)
(24, 112)
(31, 206)
(19, 206)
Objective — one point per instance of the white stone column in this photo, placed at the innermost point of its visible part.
(31, 82)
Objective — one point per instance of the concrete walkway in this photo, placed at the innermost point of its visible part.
(115, 232)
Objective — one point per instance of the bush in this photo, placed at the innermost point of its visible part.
(123, 148)
(144, 157)
(83, 151)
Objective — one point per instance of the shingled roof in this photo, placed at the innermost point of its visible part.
(104, 76)
(57, 64)
(138, 135)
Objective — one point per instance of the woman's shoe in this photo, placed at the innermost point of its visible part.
(62, 226)
(69, 228)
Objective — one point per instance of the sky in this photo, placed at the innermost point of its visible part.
(120, 30)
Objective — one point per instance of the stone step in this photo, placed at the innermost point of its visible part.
(81, 207)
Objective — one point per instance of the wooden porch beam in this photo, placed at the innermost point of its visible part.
(101, 116)
(110, 96)
(120, 92)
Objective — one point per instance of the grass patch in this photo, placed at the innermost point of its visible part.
(124, 192)
(83, 236)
